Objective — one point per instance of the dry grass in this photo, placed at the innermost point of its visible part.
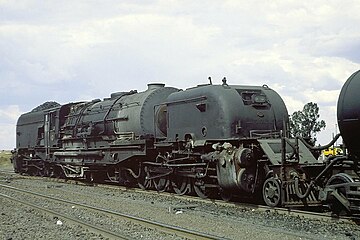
(5, 158)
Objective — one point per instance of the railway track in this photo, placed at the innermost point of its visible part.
(323, 216)
(71, 220)
(182, 232)
(284, 222)
(7, 171)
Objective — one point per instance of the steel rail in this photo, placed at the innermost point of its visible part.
(7, 171)
(287, 211)
(89, 227)
(262, 208)
(170, 229)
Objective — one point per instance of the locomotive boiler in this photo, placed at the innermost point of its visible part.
(209, 140)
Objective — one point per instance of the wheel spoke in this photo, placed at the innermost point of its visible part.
(200, 191)
(161, 184)
(180, 185)
(143, 182)
(272, 192)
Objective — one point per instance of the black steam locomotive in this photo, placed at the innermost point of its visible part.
(207, 140)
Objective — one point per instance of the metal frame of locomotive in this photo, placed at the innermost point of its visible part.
(209, 140)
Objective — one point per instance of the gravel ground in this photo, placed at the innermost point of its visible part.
(227, 222)
(51, 227)
(20, 222)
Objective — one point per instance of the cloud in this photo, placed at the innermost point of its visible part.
(79, 50)
(7, 136)
(8, 116)
(10, 113)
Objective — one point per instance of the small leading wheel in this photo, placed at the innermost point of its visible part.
(272, 192)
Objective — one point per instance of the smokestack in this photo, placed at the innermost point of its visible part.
(152, 86)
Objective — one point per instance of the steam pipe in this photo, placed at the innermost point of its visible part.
(312, 183)
(320, 147)
(308, 190)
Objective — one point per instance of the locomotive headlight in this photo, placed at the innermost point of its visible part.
(259, 99)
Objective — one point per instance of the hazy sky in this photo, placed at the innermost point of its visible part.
(80, 50)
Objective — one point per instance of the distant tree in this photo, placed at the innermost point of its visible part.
(305, 123)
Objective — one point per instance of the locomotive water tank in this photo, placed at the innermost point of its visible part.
(348, 113)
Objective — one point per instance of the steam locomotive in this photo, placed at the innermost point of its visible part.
(209, 140)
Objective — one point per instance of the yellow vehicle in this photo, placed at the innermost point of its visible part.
(332, 151)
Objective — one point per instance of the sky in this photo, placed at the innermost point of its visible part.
(66, 51)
